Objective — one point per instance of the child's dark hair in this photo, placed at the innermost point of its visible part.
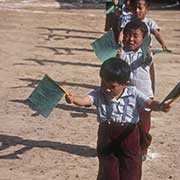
(147, 3)
(115, 69)
(136, 24)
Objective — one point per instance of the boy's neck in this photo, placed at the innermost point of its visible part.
(130, 50)
(119, 95)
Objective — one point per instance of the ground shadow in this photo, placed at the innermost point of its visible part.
(33, 82)
(64, 50)
(43, 62)
(100, 4)
(81, 4)
(68, 31)
(76, 111)
(62, 37)
(8, 141)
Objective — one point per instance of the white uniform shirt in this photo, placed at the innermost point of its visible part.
(122, 110)
(151, 25)
(140, 71)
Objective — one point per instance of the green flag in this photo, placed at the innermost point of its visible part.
(145, 45)
(173, 95)
(105, 47)
(110, 10)
(45, 96)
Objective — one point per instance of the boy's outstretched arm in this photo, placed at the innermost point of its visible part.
(159, 38)
(78, 100)
(157, 106)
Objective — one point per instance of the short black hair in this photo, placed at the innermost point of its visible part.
(147, 3)
(115, 69)
(136, 24)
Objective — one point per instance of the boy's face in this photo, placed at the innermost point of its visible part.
(140, 10)
(133, 39)
(112, 89)
(127, 3)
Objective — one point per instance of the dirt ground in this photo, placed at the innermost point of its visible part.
(37, 38)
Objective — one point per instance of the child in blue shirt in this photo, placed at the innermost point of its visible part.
(117, 104)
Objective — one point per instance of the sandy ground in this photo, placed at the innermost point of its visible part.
(37, 38)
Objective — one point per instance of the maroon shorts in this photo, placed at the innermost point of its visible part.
(144, 128)
(124, 164)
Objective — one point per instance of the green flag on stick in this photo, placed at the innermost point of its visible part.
(105, 47)
(45, 96)
(110, 10)
(173, 95)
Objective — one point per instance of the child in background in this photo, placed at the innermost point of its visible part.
(126, 14)
(133, 35)
(111, 21)
(140, 9)
(117, 104)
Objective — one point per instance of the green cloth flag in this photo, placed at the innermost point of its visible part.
(105, 47)
(146, 45)
(45, 96)
(173, 95)
(110, 10)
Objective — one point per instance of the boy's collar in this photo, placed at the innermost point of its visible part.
(130, 52)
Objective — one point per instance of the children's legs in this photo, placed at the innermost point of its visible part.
(152, 74)
(124, 162)
(108, 165)
(130, 159)
(144, 128)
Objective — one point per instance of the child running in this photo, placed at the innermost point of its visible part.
(117, 104)
(140, 9)
(133, 35)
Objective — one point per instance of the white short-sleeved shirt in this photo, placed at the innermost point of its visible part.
(151, 25)
(140, 71)
(123, 110)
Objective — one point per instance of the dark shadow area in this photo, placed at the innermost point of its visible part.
(67, 51)
(33, 82)
(8, 141)
(81, 4)
(68, 31)
(165, 5)
(76, 110)
(43, 62)
(100, 4)
(62, 37)
(177, 36)
(177, 30)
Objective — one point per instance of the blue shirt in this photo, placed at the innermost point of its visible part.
(124, 109)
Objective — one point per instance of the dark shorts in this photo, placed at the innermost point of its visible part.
(124, 162)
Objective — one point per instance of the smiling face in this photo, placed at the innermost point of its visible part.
(133, 39)
(112, 89)
(140, 9)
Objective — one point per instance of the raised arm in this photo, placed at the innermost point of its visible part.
(159, 38)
